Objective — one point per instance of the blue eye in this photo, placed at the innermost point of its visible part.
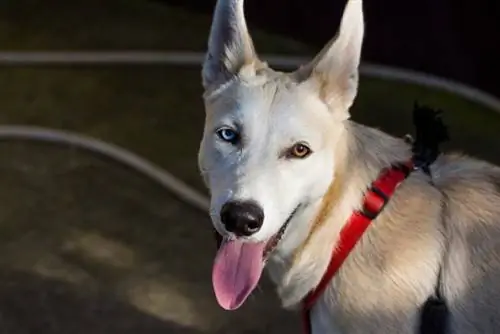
(228, 135)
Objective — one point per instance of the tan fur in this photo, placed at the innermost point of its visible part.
(327, 204)
(452, 223)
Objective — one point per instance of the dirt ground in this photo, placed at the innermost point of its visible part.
(90, 246)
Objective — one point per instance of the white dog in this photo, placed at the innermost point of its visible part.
(287, 169)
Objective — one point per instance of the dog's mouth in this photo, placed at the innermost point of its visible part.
(271, 244)
(275, 240)
(239, 265)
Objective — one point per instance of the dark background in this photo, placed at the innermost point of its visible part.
(458, 40)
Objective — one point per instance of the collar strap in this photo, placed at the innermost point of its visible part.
(374, 201)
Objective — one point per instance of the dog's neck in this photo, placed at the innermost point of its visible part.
(299, 263)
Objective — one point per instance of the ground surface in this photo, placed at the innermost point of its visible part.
(89, 246)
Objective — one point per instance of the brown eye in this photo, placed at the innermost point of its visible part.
(299, 151)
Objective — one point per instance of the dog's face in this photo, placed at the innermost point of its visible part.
(269, 146)
(269, 143)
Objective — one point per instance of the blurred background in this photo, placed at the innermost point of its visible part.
(89, 245)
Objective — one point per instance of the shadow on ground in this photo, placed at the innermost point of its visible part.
(34, 304)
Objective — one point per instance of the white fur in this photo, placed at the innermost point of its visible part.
(393, 270)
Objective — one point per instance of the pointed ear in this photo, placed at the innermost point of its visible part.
(334, 71)
(230, 46)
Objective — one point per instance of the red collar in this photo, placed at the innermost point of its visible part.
(374, 201)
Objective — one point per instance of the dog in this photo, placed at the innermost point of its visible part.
(286, 168)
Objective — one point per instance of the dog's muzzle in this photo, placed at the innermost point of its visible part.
(273, 242)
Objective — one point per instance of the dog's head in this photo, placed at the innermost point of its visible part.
(269, 142)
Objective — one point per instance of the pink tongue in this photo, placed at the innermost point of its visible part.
(237, 269)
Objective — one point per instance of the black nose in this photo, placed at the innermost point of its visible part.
(242, 218)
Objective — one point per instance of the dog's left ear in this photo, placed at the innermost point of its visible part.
(334, 71)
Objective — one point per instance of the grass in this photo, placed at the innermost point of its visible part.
(71, 223)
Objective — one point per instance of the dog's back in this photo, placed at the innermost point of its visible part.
(471, 266)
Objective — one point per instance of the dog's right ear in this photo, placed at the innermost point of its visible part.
(230, 46)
